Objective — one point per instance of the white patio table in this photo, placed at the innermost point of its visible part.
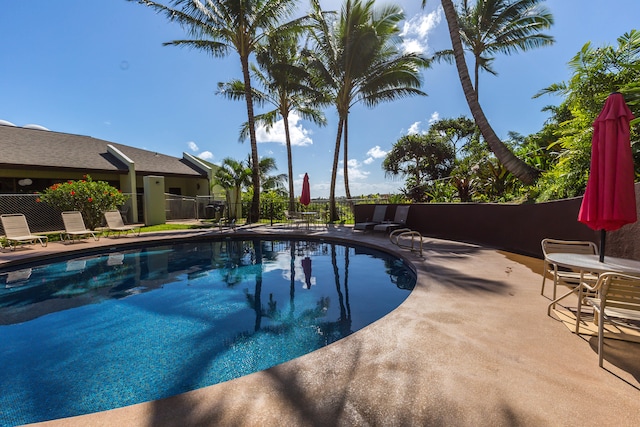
(308, 216)
(590, 263)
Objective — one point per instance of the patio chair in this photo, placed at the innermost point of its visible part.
(116, 225)
(74, 227)
(566, 277)
(617, 302)
(293, 218)
(378, 216)
(16, 230)
(226, 223)
(399, 220)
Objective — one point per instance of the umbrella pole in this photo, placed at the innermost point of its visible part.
(603, 240)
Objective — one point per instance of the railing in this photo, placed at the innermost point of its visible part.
(274, 212)
(40, 216)
(43, 218)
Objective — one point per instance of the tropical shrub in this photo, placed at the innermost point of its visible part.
(91, 198)
(596, 72)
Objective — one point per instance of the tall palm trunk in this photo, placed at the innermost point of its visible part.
(333, 212)
(347, 192)
(476, 79)
(517, 167)
(287, 137)
(254, 212)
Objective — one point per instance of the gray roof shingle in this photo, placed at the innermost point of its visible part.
(42, 149)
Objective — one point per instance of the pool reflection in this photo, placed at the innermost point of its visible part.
(175, 318)
(88, 280)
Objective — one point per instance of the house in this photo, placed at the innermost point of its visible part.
(33, 158)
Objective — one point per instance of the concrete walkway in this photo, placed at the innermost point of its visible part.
(471, 346)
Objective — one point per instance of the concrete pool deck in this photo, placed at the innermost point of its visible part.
(472, 345)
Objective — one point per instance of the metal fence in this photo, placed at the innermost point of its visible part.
(44, 218)
(40, 216)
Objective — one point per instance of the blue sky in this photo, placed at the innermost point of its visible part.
(98, 68)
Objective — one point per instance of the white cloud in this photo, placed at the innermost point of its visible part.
(414, 129)
(355, 170)
(192, 146)
(416, 30)
(376, 152)
(299, 135)
(206, 155)
(413, 46)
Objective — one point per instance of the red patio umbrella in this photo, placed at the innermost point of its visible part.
(609, 200)
(306, 268)
(305, 197)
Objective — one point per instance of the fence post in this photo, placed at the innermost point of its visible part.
(271, 212)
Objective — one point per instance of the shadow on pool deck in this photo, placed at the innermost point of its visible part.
(471, 345)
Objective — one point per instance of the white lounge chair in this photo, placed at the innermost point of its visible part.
(74, 227)
(16, 230)
(116, 225)
(378, 216)
(399, 220)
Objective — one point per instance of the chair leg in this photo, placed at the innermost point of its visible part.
(600, 340)
(545, 271)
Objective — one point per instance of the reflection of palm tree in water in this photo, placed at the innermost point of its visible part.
(331, 331)
(292, 288)
(257, 305)
(306, 268)
(234, 250)
(255, 299)
(344, 322)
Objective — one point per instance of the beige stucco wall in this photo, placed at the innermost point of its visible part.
(188, 186)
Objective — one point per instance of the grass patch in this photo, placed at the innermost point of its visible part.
(169, 227)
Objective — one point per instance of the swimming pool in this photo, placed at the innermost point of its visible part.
(98, 332)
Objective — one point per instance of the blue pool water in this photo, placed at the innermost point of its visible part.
(99, 332)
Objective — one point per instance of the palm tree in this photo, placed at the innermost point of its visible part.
(285, 80)
(357, 60)
(233, 175)
(269, 181)
(500, 26)
(516, 166)
(221, 26)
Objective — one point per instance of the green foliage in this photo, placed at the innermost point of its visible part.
(233, 176)
(500, 26)
(91, 198)
(473, 174)
(272, 205)
(357, 58)
(596, 72)
(398, 199)
(439, 192)
(421, 158)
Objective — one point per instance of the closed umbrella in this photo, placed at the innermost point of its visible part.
(609, 200)
(306, 268)
(305, 197)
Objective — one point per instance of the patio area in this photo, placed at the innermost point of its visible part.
(471, 345)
